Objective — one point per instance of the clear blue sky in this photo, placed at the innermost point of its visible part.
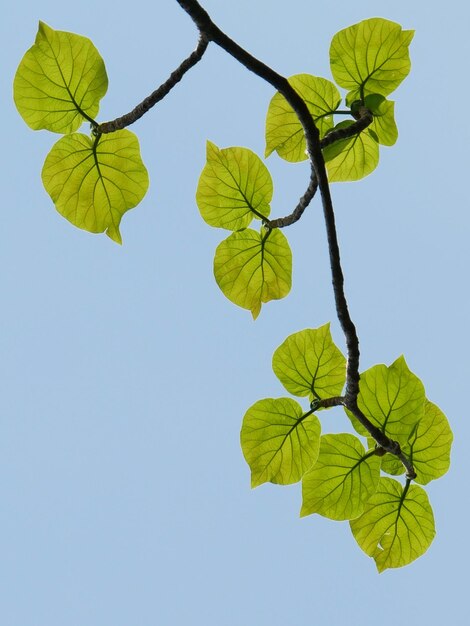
(125, 373)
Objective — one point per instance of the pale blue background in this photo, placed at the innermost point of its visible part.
(125, 373)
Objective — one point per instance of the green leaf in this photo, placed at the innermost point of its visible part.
(284, 132)
(342, 480)
(429, 445)
(93, 182)
(353, 158)
(371, 57)
(279, 441)
(397, 525)
(234, 187)
(59, 81)
(252, 268)
(392, 398)
(308, 363)
(384, 125)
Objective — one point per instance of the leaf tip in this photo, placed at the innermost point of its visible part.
(114, 234)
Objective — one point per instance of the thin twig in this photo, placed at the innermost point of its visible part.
(159, 93)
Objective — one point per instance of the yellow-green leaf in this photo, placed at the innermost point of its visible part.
(383, 124)
(397, 525)
(371, 56)
(94, 182)
(392, 398)
(353, 158)
(234, 187)
(279, 441)
(252, 268)
(284, 132)
(59, 81)
(308, 363)
(342, 480)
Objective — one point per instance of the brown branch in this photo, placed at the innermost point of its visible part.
(159, 93)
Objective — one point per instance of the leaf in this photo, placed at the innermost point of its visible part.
(279, 441)
(397, 525)
(59, 81)
(252, 268)
(353, 158)
(371, 57)
(392, 398)
(308, 363)
(93, 182)
(342, 480)
(429, 445)
(383, 125)
(284, 132)
(234, 187)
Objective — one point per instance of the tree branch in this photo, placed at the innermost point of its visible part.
(142, 108)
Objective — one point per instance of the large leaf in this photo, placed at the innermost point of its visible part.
(234, 187)
(342, 480)
(284, 132)
(252, 268)
(59, 81)
(352, 158)
(94, 182)
(429, 445)
(308, 363)
(279, 441)
(392, 398)
(397, 525)
(371, 57)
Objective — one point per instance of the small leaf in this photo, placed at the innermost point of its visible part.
(60, 81)
(252, 268)
(371, 57)
(234, 187)
(429, 445)
(308, 363)
(353, 158)
(279, 441)
(397, 525)
(284, 132)
(94, 182)
(392, 398)
(384, 125)
(342, 480)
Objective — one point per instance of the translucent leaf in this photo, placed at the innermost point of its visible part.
(342, 480)
(397, 525)
(383, 125)
(284, 132)
(353, 158)
(392, 398)
(308, 363)
(252, 268)
(279, 441)
(371, 57)
(93, 183)
(234, 187)
(429, 445)
(59, 81)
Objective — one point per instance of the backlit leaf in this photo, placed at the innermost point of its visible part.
(279, 441)
(353, 158)
(284, 132)
(93, 183)
(59, 81)
(252, 268)
(383, 125)
(429, 445)
(371, 57)
(397, 525)
(392, 398)
(308, 363)
(234, 187)
(342, 480)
